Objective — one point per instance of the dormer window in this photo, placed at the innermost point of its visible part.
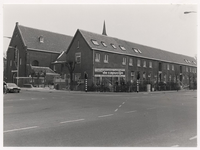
(123, 48)
(135, 50)
(41, 39)
(95, 42)
(104, 44)
(139, 51)
(113, 46)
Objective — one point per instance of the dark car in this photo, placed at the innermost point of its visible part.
(12, 87)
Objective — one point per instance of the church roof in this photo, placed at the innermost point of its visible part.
(50, 41)
(104, 43)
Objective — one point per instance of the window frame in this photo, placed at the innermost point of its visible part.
(138, 62)
(130, 61)
(106, 58)
(144, 64)
(97, 57)
(95, 42)
(124, 61)
(122, 48)
(103, 43)
(172, 67)
(150, 64)
(76, 56)
(168, 68)
(113, 46)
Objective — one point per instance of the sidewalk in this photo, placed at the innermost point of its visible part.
(49, 90)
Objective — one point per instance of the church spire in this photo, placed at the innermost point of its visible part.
(104, 29)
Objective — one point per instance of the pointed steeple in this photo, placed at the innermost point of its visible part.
(104, 29)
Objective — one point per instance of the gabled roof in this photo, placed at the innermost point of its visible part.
(146, 52)
(53, 42)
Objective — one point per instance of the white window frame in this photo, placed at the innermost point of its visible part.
(173, 67)
(97, 57)
(124, 61)
(138, 63)
(150, 64)
(145, 64)
(167, 66)
(76, 57)
(105, 58)
(122, 47)
(130, 62)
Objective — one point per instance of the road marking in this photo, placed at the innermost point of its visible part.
(192, 138)
(33, 98)
(151, 108)
(130, 111)
(72, 121)
(175, 146)
(20, 129)
(106, 115)
(123, 103)
(116, 110)
(120, 105)
(21, 99)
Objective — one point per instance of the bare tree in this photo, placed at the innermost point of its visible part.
(71, 66)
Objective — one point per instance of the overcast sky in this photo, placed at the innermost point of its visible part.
(161, 26)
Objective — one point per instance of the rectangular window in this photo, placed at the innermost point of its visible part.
(150, 64)
(167, 66)
(138, 62)
(106, 58)
(130, 62)
(132, 76)
(172, 67)
(97, 57)
(186, 68)
(78, 58)
(144, 64)
(124, 61)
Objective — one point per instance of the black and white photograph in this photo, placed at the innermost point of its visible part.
(99, 75)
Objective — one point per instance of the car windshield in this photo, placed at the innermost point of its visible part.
(11, 85)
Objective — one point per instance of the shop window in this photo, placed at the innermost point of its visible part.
(124, 61)
(97, 57)
(78, 58)
(130, 62)
(144, 63)
(138, 62)
(105, 58)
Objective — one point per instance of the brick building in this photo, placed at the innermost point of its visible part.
(31, 47)
(112, 61)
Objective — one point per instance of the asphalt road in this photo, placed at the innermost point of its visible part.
(70, 119)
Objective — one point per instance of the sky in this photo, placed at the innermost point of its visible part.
(162, 26)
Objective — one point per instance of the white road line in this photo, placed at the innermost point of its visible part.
(106, 115)
(116, 110)
(120, 105)
(192, 138)
(21, 99)
(20, 129)
(151, 108)
(123, 103)
(72, 121)
(175, 146)
(130, 111)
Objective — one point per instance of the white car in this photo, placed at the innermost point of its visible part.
(12, 87)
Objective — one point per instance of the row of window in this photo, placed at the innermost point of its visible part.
(124, 62)
(121, 47)
(188, 61)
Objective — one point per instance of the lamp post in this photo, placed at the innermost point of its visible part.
(17, 62)
(189, 12)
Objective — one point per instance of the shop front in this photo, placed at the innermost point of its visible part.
(109, 77)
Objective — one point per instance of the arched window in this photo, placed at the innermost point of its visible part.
(35, 63)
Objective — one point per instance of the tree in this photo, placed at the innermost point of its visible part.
(71, 66)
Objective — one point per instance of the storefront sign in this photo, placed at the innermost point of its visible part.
(106, 72)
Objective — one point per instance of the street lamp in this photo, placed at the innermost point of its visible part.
(11, 47)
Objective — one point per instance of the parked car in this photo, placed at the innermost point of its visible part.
(12, 87)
